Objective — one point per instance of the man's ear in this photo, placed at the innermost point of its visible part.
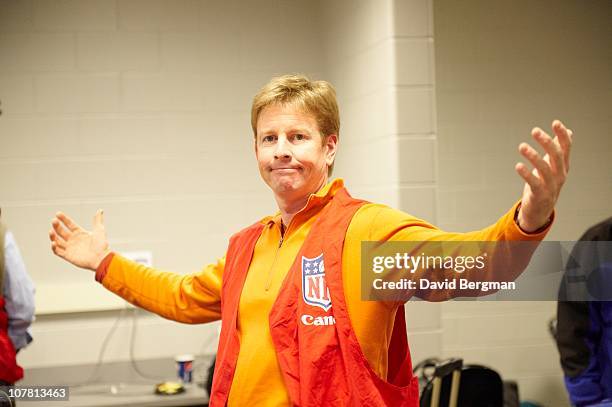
(255, 145)
(331, 143)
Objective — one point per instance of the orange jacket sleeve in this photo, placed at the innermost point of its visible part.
(191, 298)
(393, 225)
(386, 224)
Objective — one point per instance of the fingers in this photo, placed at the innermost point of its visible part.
(59, 251)
(536, 160)
(528, 176)
(70, 224)
(60, 230)
(553, 151)
(564, 136)
(550, 171)
(55, 238)
(58, 245)
(98, 220)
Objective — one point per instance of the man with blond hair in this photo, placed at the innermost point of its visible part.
(295, 330)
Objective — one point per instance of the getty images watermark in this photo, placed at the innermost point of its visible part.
(439, 271)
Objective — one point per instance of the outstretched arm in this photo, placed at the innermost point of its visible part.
(193, 298)
(189, 298)
(528, 220)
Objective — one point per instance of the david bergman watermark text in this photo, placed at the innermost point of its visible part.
(425, 284)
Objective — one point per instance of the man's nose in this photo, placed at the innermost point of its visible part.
(283, 149)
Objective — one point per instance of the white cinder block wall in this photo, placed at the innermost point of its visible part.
(416, 145)
(501, 68)
(380, 58)
(360, 64)
(141, 108)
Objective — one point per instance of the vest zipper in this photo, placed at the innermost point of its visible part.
(271, 272)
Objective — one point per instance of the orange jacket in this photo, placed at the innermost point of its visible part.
(320, 357)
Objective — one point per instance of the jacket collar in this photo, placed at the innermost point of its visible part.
(315, 203)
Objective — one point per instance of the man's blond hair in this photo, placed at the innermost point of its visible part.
(315, 97)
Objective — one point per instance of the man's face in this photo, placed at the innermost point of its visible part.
(290, 153)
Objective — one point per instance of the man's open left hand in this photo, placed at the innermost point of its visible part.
(543, 184)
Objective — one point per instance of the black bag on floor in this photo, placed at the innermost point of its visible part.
(479, 386)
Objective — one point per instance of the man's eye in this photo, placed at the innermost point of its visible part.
(268, 139)
(299, 137)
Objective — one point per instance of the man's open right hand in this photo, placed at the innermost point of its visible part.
(76, 245)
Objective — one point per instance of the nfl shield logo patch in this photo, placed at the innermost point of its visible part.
(314, 288)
